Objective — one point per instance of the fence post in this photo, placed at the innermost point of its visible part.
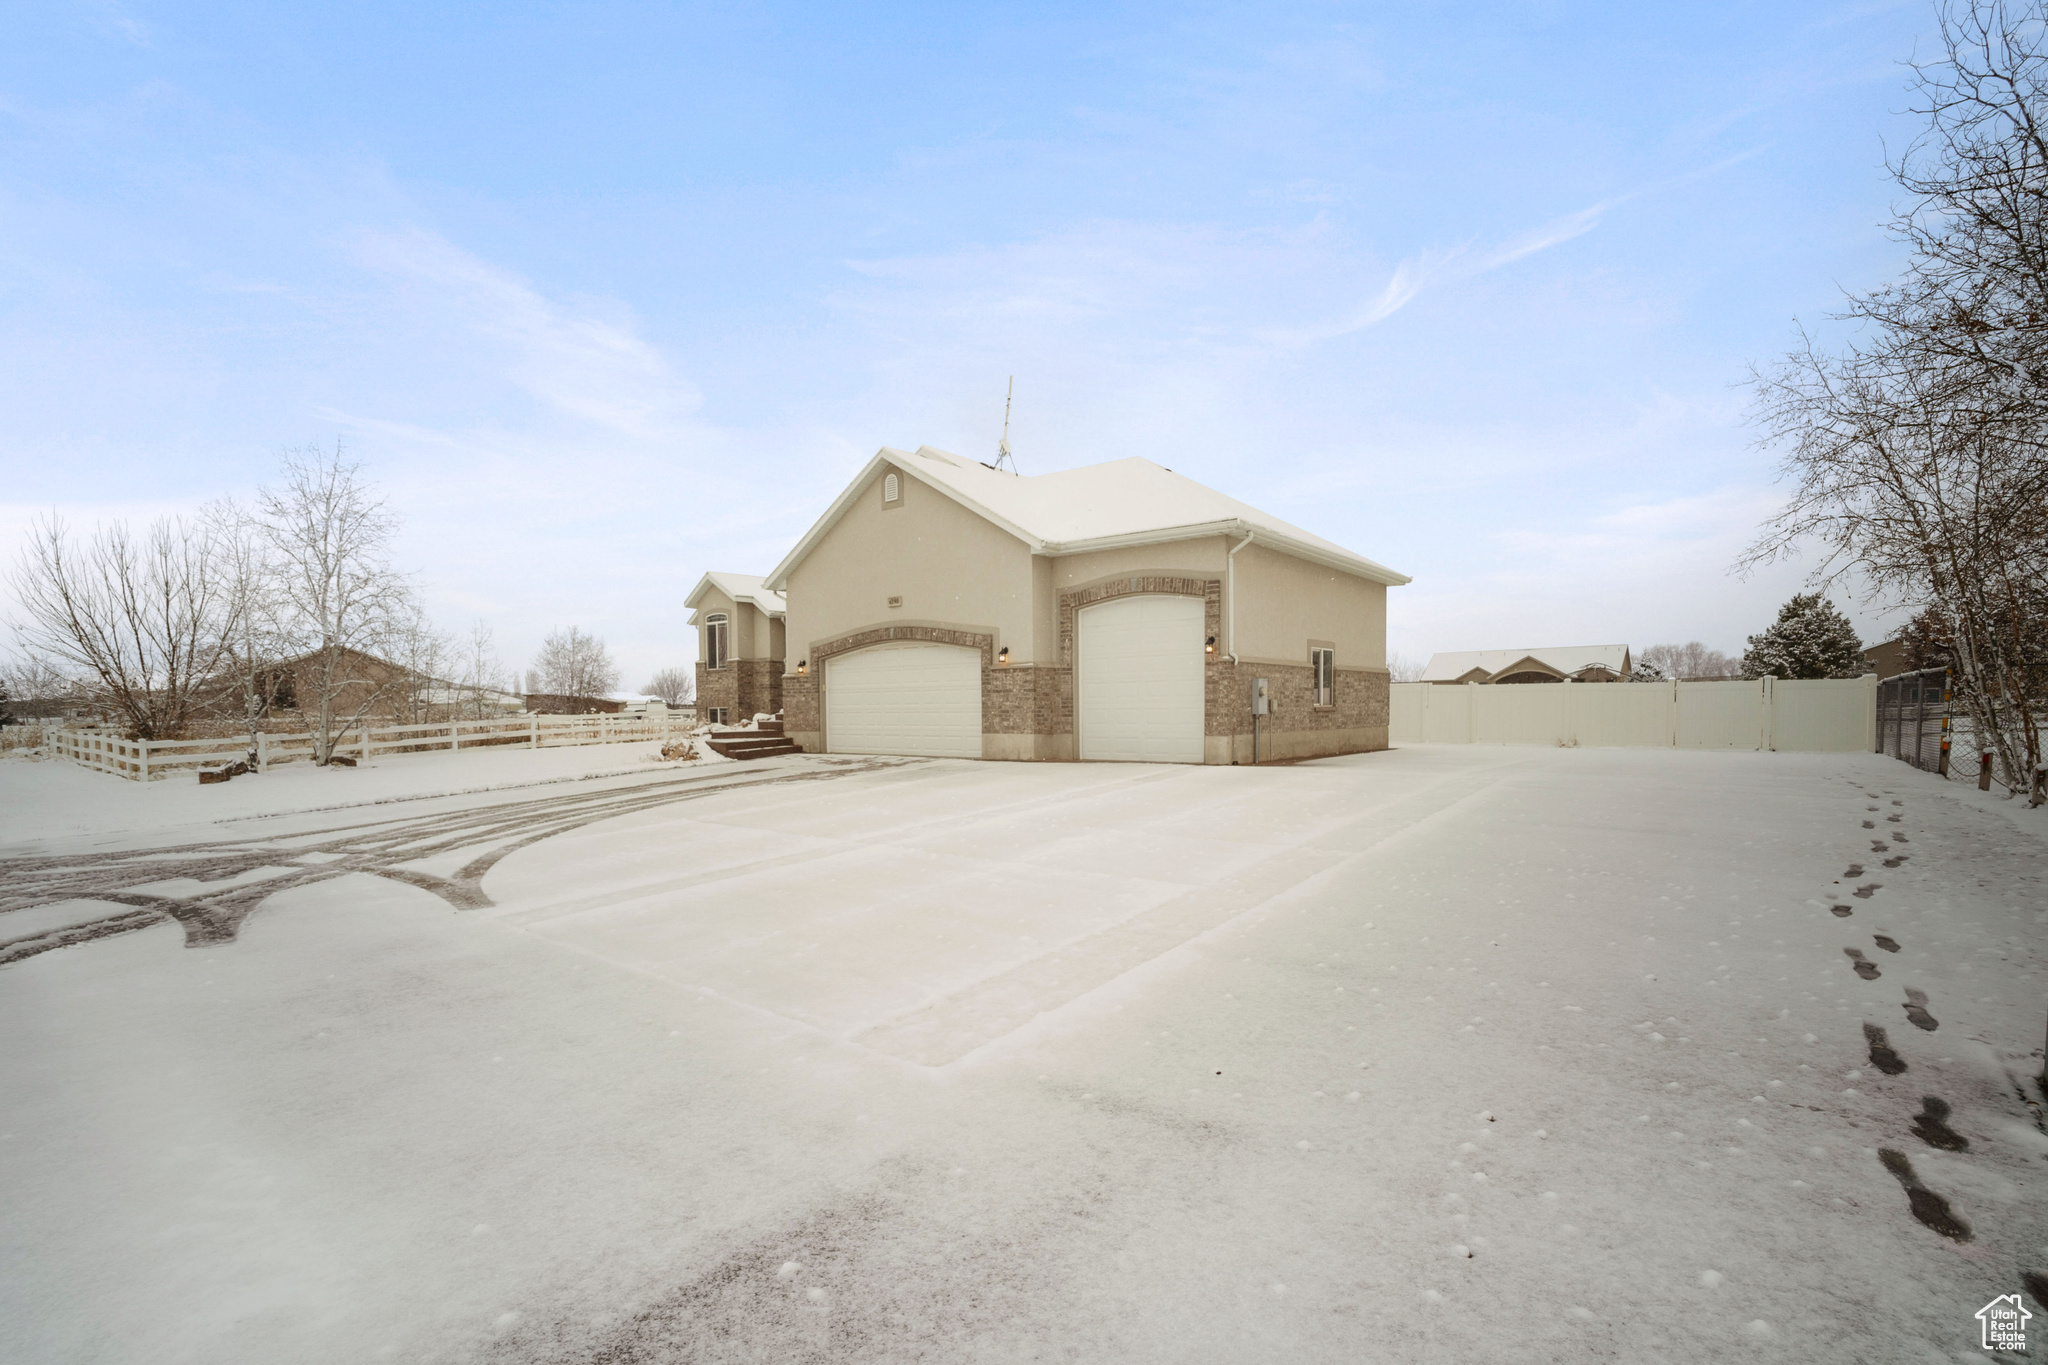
(1947, 709)
(262, 752)
(454, 735)
(366, 742)
(142, 760)
(1768, 706)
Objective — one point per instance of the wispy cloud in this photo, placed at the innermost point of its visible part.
(580, 358)
(1439, 266)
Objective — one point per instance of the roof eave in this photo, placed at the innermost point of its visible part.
(1356, 565)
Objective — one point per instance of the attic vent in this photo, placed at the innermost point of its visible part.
(892, 488)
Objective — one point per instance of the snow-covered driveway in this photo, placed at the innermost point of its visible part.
(1446, 1053)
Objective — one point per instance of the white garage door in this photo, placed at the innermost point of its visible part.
(904, 699)
(1139, 688)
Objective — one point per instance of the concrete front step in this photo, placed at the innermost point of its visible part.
(750, 744)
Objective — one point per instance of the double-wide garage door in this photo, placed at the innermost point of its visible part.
(904, 699)
(1139, 684)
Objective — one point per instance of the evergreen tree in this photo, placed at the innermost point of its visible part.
(1810, 639)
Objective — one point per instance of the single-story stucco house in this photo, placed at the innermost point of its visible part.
(1546, 664)
(739, 647)
(1120, 611)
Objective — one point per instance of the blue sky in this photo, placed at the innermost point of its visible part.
(604, 296)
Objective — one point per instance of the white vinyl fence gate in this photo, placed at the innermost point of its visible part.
(1829, 716)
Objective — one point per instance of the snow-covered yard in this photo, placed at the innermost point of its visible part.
(1455, 1053)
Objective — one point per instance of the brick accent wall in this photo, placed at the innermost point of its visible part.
(758, 687)
(718, 687)
(1009, 700)
(743, 687)
(800, 704)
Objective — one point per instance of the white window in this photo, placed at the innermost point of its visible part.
(1324, 663)
(715, 640)
(892, 489)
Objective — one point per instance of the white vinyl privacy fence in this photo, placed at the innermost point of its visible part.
(142, 760)
(1824, 716)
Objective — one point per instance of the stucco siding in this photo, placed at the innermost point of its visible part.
(948, 565)
(1284, 602)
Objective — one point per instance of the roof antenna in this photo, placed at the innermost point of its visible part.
(1003, 455)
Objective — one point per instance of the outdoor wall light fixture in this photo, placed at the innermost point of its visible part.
(803, 666)
(1003, 656)
(1210, 648)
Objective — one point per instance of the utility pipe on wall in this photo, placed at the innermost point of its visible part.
(1230, 586)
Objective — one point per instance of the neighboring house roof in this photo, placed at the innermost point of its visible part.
(1096, 507)
(1567, 659)
(740, 587)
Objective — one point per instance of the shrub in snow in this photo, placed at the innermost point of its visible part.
(1810, 639)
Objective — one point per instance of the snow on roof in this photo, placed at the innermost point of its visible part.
(1449, 667)
(740, 587)
(1123, 502)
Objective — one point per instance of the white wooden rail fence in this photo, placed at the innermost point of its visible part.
(1820, 716)
(142, 760)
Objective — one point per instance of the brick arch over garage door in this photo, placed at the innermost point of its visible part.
(1216, 673)
(817, 699)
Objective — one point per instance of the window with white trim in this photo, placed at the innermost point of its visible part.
(1323, 663)
(716, 640)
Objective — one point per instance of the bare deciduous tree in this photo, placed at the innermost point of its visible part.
(675, 686)
(339, 598)
(481, 672)
(145, 622)
(1405, 667)
(423, 653)
(1691, 662)
(1919, 454)
(572, 664)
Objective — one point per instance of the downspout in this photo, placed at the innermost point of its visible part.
(1230, 586)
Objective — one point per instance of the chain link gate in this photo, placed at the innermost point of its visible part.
(1913, 719)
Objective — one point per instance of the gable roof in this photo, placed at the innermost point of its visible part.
(1566, 659)
(1095, 507)
(740, 587)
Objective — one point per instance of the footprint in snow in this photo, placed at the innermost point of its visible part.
(1894, 819)
(1870, 824)
(1916, 1010)
(1867, 890)
(1881, 1055)
(1899, 838)
(1886, 942)
(1894, 862)
(1841, 911)
(1929, 1207)
(1897, 802)
(1855, 870)
(1865, 968)
(1880, 848)
(1930, 1125)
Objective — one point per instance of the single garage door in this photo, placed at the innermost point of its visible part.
(1139, 688)
(904, 699)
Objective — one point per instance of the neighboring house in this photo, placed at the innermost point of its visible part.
(1567, 663)
(1889, 658)
(1119, 611)
(561, 704)
(740, 654)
